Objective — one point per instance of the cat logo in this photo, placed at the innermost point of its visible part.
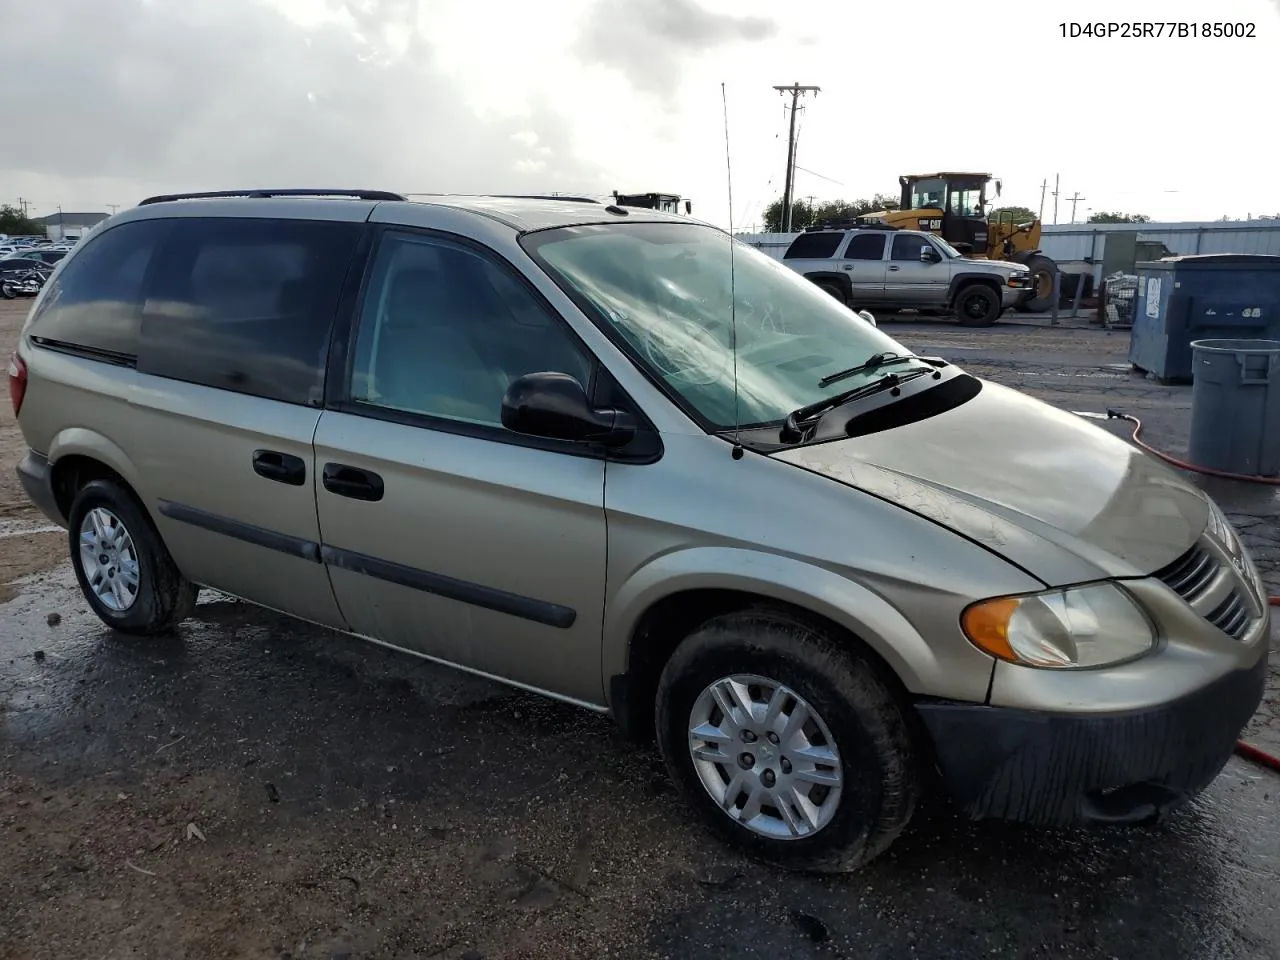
(930, 223)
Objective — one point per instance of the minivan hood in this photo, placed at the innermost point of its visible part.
(1058, 496)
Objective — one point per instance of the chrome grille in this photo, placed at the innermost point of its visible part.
(1190, 574)
(1213, 588)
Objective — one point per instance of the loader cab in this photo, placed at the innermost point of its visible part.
(662, 202)
(960, 202)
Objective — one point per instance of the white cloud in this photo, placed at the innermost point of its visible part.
(597, 95)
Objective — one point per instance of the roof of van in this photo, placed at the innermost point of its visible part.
(522, 214)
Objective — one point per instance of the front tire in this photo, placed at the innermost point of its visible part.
(122, 565)
(1043, 271)
(977, 305)
(788, 743)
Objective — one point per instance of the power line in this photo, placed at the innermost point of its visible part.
(796, 91)
(813, 173)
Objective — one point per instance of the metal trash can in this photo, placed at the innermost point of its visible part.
(1235, 406)
(1202, 297)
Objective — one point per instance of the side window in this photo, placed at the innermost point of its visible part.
(813, 246)
(907, 246)
(865, 246)
(444, 331)
(246, 305)
(96, 301)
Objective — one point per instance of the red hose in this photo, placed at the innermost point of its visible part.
(1246, 750)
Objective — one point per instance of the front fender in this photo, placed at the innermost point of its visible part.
(961, 279)
(843, 601)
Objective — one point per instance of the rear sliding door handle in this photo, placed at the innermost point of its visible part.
(280, 467)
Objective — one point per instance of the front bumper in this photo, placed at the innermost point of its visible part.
(36, 478)
(1061, 769)
(1012, 296)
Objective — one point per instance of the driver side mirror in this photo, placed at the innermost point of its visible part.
(929, 255)
(555, 406)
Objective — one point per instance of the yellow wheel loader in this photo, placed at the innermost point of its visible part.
(954, 205)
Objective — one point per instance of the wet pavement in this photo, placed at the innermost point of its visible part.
(258, 787)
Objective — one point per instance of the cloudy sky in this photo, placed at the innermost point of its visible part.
(108, 100)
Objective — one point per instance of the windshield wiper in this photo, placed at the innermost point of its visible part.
(875, 360)
(791, 428)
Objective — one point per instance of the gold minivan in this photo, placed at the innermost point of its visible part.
(614, 456)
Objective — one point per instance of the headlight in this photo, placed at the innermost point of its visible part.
(1089, 626)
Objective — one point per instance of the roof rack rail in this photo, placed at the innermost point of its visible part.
(848, 223)
(258, 194)
(546, 196)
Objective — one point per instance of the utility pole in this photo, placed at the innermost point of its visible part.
(24, 204)
(796, 91)
(1055, 199)
(1043, 187)
(113, 207)
(1075, 198)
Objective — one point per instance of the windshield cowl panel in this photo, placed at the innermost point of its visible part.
(670, 297)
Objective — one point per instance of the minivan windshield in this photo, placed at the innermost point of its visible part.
(665, 292)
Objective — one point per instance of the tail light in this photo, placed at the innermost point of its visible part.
(17, 381)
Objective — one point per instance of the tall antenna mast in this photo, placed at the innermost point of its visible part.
(796, 91)
(733, 293)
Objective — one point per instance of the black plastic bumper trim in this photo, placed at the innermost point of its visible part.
(281, 542)
(1063, 769)
(36, 476)
(526, 608)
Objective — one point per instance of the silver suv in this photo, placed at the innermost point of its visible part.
(615, 457)
(889, 269)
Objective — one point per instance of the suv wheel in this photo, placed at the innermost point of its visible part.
(977, 305)
(787, 742)
(834, 290)
(122, 565)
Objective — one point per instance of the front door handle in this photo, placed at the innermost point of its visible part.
(280, 467)
(352, 482)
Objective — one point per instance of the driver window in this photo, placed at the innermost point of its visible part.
(964, 203)
(907, 246)
(445, 330)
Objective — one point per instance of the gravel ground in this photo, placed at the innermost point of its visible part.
(259, 788)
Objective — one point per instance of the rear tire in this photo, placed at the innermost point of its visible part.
(834, 290)
(122, 565)
(977, 305)
(795, 819)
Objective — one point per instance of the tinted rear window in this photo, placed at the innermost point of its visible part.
(246, 305)
(813, 246)
(96, 302)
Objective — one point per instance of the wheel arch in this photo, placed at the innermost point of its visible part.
(78, 455)
(840, 280)
(962, 280)
(670, 597)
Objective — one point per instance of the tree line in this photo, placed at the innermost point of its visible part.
(14, 223)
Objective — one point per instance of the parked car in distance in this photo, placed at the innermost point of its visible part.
(890, 269)
(618, 458)
(47, 255)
